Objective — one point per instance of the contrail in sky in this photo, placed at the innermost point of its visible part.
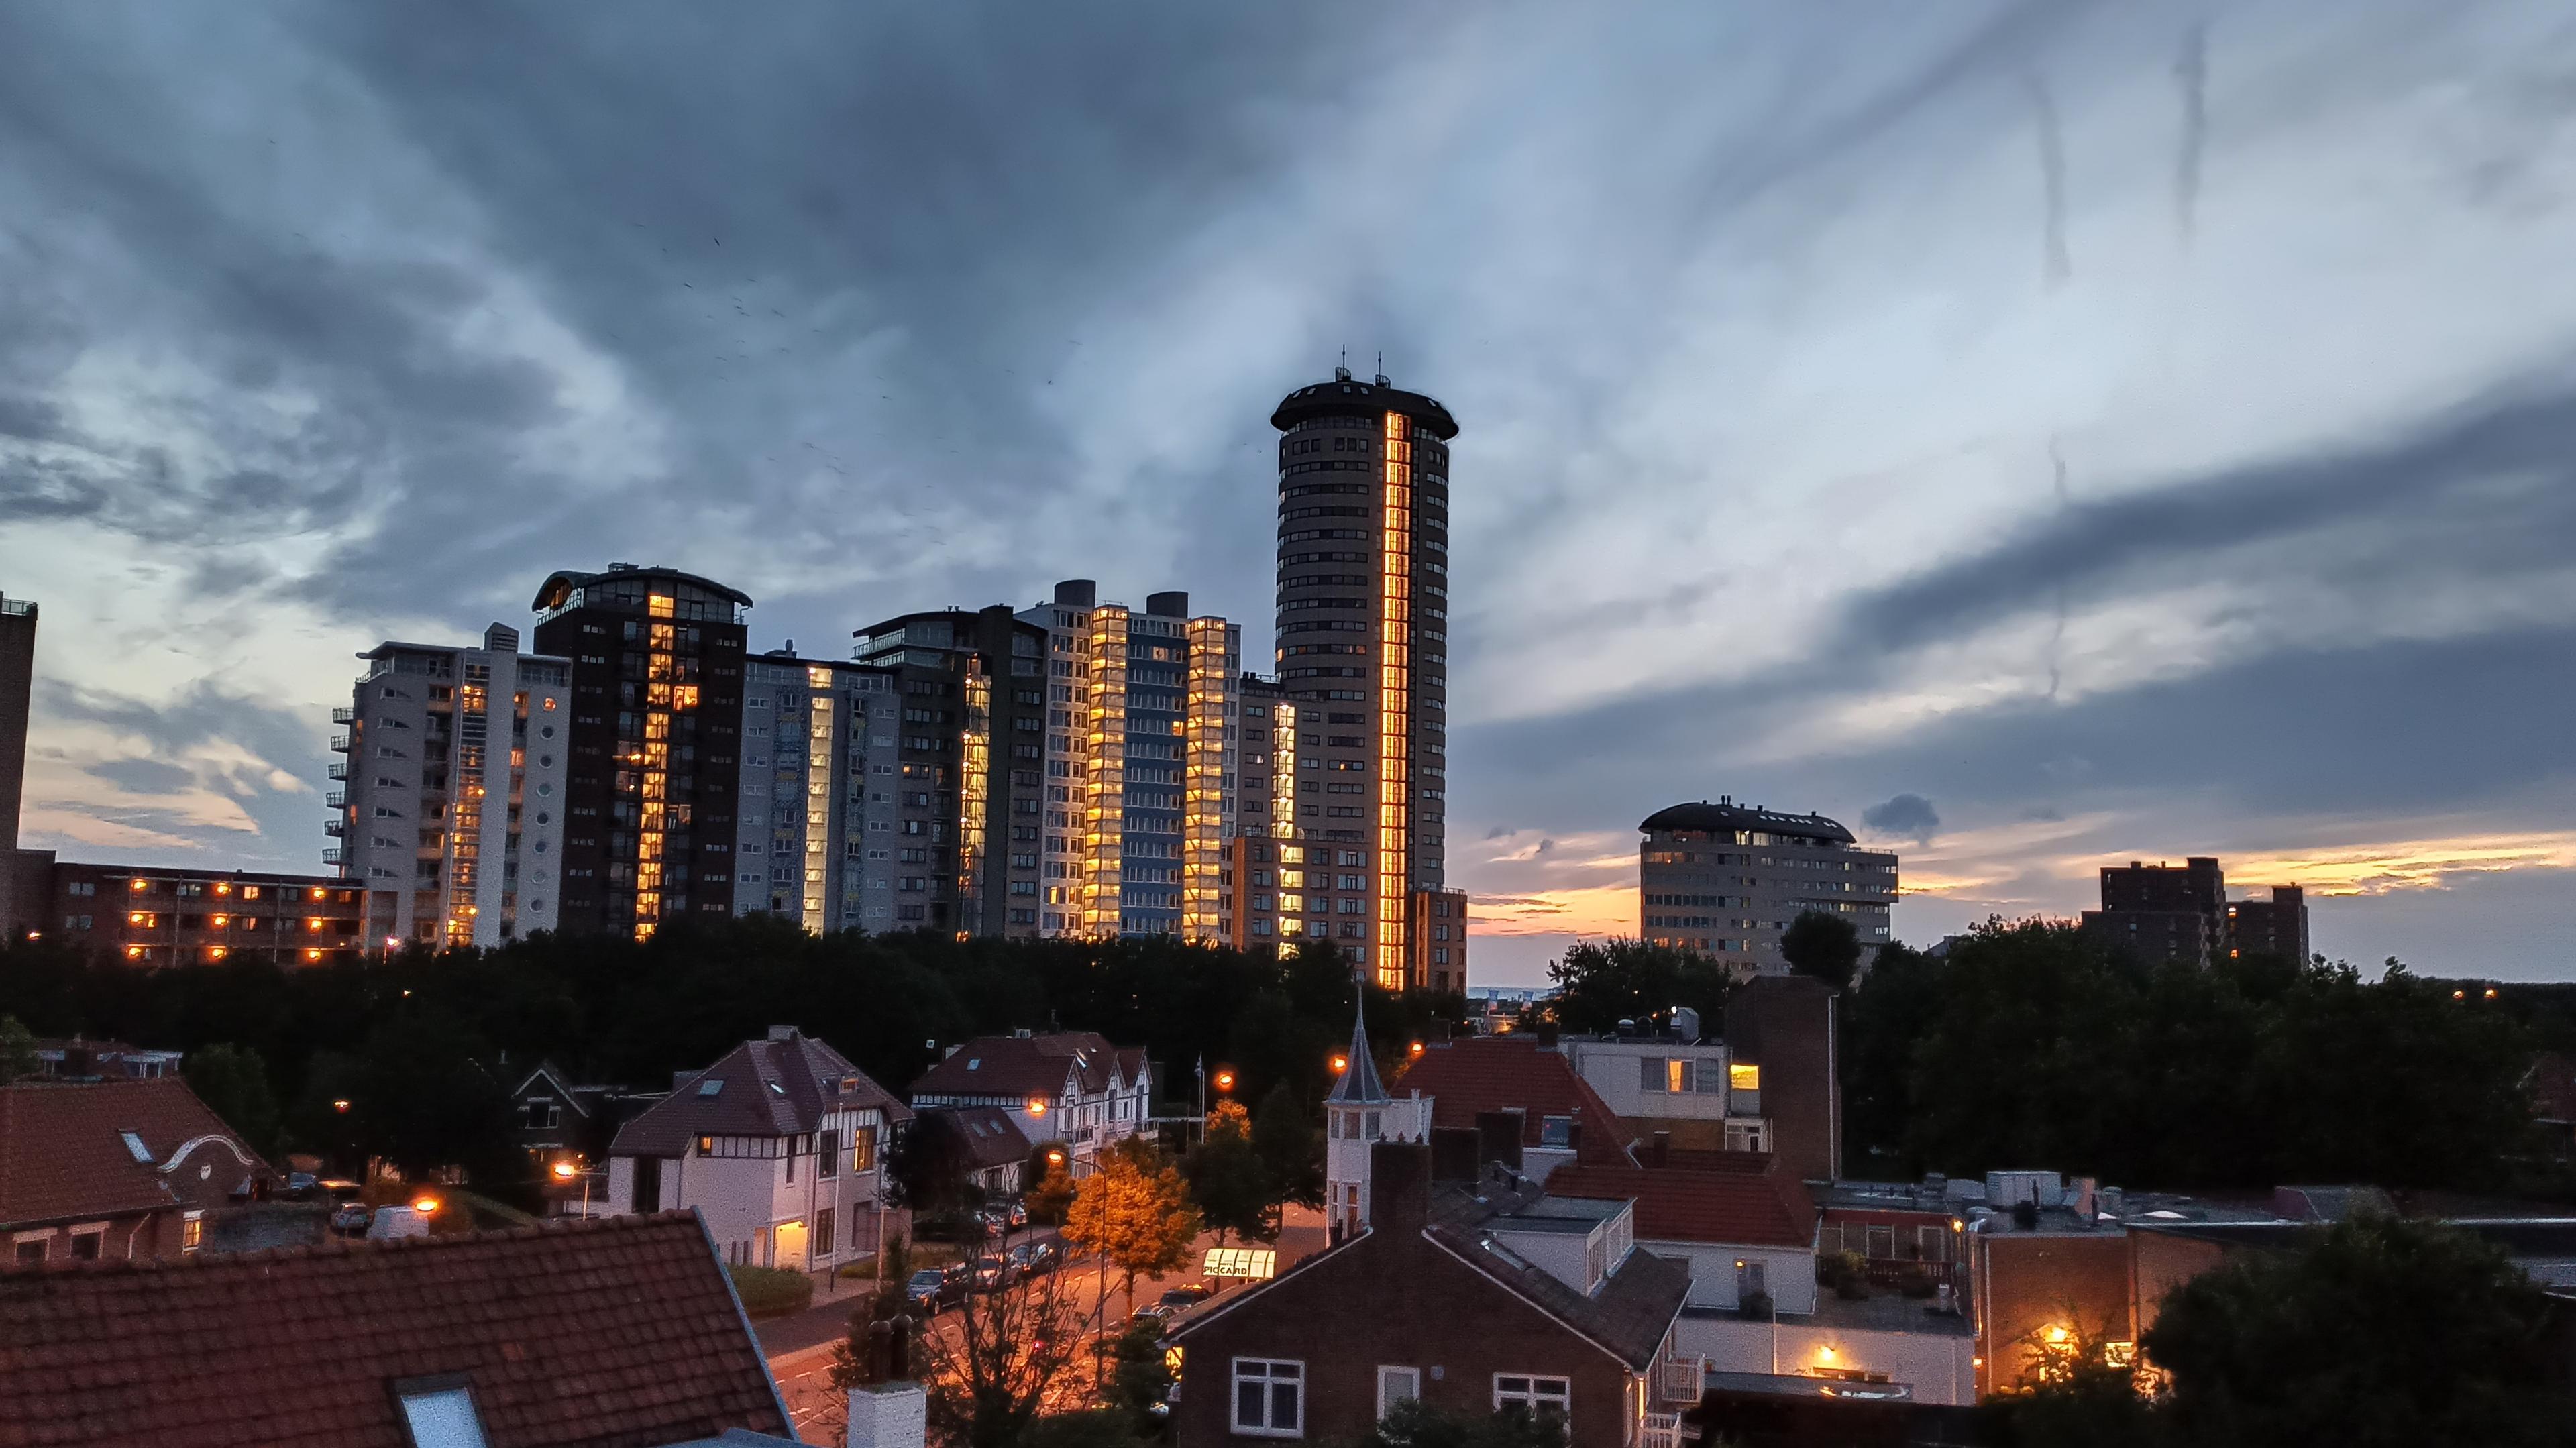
(2055, 267)
(2191, 72)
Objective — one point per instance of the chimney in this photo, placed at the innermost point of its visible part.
(1547, 1035)
(1453, 1154)
(1498, 1138)
(782, 1033)
(889, 1415)
(1659, 1148)
(1399, 1186)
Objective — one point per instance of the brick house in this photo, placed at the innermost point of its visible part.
(621, 1333)
(116, 1169)
(776, 1146)
(1472, 1295)
(1561, 1116)
(1067, 1086)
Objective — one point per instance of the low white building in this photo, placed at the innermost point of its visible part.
(777, 1146)
(1673, 1081)
(1071, 1087)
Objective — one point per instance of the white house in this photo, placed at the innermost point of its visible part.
(1059, 1086)
(776, 1146)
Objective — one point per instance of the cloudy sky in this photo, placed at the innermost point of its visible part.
(2038, 434)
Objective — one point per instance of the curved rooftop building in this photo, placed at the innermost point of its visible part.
(1726, 879)
(1363, 640)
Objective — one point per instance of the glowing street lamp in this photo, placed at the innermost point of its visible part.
(427, 1206)
(340, 1104)
(1224, 1078)
(1341, 1063)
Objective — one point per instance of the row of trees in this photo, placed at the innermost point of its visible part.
(2031, 1043)
(418, 1044)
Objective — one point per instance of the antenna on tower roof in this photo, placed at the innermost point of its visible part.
(1381, 369)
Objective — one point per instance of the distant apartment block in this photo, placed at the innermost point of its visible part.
(1728, 879)
(450, 798)
(154, 916)
(815, 838)
(654, 744)
(2164, 912)
(970, 764)
(1141, 766)
(17, 683)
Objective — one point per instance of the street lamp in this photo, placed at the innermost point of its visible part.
(565, 1171)
(1224, 1079)
(1341, 1063)
(425, 1205)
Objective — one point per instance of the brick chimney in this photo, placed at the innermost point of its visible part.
(1498, 1138)
(1399, 1185)
(889, 1415)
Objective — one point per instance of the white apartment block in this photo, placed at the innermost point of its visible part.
(814, 837)
(451, 795)
(1728, 879)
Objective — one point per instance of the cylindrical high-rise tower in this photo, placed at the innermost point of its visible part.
(1363, 650)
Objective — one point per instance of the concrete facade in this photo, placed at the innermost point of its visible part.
(450, 806)
(814, 837)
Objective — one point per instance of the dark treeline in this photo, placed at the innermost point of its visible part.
(2030, 1045)
(415, 1041)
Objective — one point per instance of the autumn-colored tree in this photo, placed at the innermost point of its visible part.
(1052, 1197)
(1135, 1211)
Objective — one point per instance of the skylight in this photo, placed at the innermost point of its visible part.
(711, 1086)
(776, 1089)
(974, 1063)
(442, 1418)
(135, 1147)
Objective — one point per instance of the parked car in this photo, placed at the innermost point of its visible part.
(1033, 1258)
(300, 1186)
(993, 1273)
(933, 1288)
(1152, 1314)
(1017, 1213)
(1182, 1299)
(350, 1218)
(339, 1190)
(997, 1223)
(395, 1222)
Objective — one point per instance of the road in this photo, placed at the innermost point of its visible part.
(799, 1347)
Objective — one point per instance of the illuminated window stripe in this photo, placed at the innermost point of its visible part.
(1395, 699)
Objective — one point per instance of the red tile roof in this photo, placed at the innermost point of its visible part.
(1038, 1065)
(615, 1333)
(63, 1152)
(992, 1137)
(1678, 1205)
(776, 1087)
(1505, 1073)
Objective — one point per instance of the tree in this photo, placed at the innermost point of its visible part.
(17, 1051)
(931, 1167)
(1600, 984)
(1416, 1424)
(2379, 1332)
(1824, 946)
(1052, 1197)
(234, 1085)
(1290, 1147)
(1233, 1188)
(1135, 1210)
(989, 1378)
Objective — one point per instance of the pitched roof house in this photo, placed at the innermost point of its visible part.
(776, 1145)
(614, 1334)
(1068, 1086)
(115, 1169)
(1474, 1296)
(1562, 1117)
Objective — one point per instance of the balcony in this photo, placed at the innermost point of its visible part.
(1680, 1381)
(1661, 1430)
(337, 799)
(339, 743)
(339, 769)
(344, 715)
(335, 828)
(333, 856)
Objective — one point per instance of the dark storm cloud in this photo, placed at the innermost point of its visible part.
(1908, 816)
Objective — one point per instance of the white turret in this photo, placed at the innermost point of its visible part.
(1358, 1114)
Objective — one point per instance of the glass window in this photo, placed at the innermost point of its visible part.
(1269, 1397)
(1397, 1385)
(1650, 1073)
(1533, 1394)
(1677, 1075)
(1710, 1079)
(827, 1155)
(1744, 1077)
(442, 1418)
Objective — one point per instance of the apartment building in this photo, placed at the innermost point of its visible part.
(1363, 653)
(17, 684)
(1727, 880)
(450, 802)
(1142, 766)
(815, 839)
(154, 916)
(2164, 912)
(655, 737)
(970, 765)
